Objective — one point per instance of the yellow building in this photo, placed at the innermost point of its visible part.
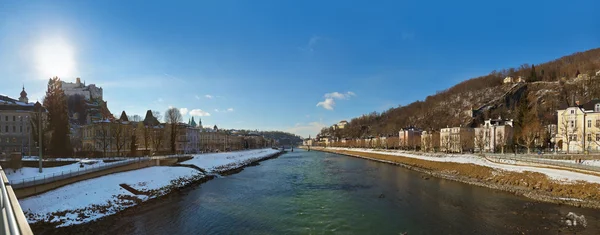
(457, 139)
(579, 128)
(430, 141)
(108, 138)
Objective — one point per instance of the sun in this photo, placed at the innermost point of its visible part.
(55, 57)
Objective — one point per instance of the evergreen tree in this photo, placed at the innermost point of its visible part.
(58, 119)
(533, 77)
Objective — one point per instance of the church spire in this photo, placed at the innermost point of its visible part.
(23, 97)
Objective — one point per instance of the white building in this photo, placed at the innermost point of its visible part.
(90, 92)
(494, 134)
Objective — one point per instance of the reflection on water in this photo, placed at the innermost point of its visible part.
(313, 192)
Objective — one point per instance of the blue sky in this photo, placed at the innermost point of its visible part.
(279, 65)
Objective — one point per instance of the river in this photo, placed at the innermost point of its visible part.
(323, 193)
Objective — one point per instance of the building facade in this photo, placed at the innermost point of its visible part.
(579, 128)
(494, 135)
(409, 138)
(108, 138)
(430, 141)
(457, 139)
(17, 122)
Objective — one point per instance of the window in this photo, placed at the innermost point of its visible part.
(589, 123)
(14, 129)
(597, 122)
(6, 129)
(572, 111)
(597, 109)
(14, 118)
(572, 137)
(589, 137)
(21, 129)
(572, 124)
(597, 137)
(6, 118)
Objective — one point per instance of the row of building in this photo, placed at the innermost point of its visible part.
(577, 130)
(491, 136)
(115, 137)
(122, 137)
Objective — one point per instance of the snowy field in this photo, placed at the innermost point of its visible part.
(91, 199)
(228, 160)
(560, 175)
(99, 191)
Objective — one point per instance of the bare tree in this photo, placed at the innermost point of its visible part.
(529, 133)
(501, 141)
(121, 135)
(143, 135)
(481, 139)
(105, 137)
(567, 128)
(426, 142)
(135, 118)
(446, 143)
(173, 118)
(156, 114)
(158, 136)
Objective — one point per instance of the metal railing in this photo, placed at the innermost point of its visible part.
(11, 216)
(51, 177)
(545, 161)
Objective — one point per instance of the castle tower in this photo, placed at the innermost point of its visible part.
(23, 97)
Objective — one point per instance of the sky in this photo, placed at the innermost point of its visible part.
(295, 66)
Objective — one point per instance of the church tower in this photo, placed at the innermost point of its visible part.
(23, 97)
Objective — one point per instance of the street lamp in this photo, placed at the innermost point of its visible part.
(38, 109)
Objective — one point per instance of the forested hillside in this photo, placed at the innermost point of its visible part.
(548, 86)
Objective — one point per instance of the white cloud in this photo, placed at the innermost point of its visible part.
(160, 100)
(340, 96)
(208, 96)
(183, 111)
(199, 112)
(329, 102)
(224, 111)
(312, 43)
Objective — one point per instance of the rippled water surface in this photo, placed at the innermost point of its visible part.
(323, 193)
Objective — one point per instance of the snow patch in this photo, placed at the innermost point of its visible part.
(564, 176)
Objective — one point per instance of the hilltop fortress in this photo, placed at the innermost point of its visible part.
(90, 92)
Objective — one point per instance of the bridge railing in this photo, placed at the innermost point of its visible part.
(11, 216)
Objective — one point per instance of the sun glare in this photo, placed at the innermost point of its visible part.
(55, 57)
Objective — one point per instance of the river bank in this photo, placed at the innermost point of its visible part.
(533, 185)
(59, 210)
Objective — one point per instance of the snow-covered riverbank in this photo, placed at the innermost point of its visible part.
(91, 199)
(556, 174)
